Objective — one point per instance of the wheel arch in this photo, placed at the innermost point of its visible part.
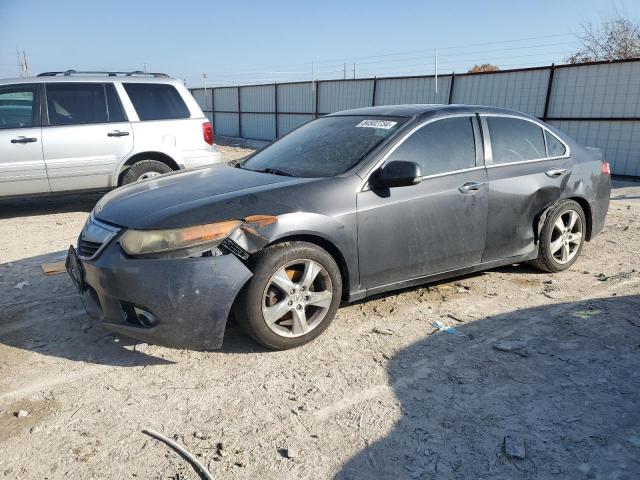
(327, 245)
(586, 208)
(149, 155)
(584, 204)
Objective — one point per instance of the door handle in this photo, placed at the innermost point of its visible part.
(470, 187)
(24, 140)
(117, 133)
(556, 172)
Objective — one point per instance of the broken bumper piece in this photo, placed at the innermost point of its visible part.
(181, 303)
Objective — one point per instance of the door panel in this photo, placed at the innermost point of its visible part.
(84, 156)
(22, 168)
(432, 227)
(85, 136)
(518, 194)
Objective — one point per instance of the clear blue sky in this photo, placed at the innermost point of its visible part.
(263, 41)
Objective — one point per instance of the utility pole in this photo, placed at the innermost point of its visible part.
(23, 65)
(354, 69)
(344, 71)
(206, 100)
(435, 52)
(312, 82)
(144, 67)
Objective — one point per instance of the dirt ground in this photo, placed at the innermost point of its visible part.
(544, 366)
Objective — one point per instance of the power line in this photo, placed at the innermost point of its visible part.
(406, 52)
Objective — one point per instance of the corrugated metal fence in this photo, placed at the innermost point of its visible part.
(597, 103)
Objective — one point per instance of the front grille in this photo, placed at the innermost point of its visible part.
(94, 237)
(88, 249)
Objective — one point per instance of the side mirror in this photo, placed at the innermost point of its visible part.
(397, 174)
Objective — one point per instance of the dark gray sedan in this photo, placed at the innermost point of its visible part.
(349, 205)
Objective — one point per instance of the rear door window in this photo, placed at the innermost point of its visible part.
(515, 140)
(442, 146)
(156, 101)
(16, 106)
(76, 103)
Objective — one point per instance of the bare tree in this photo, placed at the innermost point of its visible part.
(485, 67)
(616, 38)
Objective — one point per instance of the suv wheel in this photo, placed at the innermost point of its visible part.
(292, 297)
(562, 237)
(143, 170)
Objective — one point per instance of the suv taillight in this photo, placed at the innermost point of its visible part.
(207, 132)
(606, 168)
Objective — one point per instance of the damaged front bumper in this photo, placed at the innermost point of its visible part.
(181, 303)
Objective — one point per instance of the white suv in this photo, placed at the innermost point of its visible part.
(66, 131)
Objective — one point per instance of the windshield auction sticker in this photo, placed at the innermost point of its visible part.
(385, 124)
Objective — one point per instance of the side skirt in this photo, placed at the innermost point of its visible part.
(360, 294)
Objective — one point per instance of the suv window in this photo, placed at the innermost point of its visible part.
(555, 148)
(114, 107)
(76, 103)
(155, 101)
(442, 146)
(515, 140)
(16, 106)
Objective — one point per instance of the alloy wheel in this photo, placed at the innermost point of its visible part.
(566, 236)
(297, 298)
(148, 175)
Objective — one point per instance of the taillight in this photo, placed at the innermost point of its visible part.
(606, 168)
(207, 132)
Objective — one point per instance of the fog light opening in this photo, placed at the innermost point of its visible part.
(146, 319)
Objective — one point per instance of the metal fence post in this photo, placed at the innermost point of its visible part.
(275, 110)
(213, 109)
(453, 82)
(552, 70)
(373, 93)
(239, 115)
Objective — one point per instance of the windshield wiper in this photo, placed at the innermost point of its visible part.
(275, 171)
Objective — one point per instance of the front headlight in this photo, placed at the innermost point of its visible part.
(145, 242)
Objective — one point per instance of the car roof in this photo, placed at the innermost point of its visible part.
(431, 109)
(89, 79)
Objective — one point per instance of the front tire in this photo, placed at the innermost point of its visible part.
(292, 297)
(143, 170)
(562, 237)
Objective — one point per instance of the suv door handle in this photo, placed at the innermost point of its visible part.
(470, 187)
(556, 172)
(117, 133)
(24, 140)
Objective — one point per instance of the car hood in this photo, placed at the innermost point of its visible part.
(193, 197)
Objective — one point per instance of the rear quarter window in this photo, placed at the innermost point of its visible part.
(154, 101)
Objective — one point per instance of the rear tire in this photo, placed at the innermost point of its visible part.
(562, 237)
(143, 170)
(293, 296)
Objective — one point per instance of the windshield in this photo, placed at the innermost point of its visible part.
(325, 147)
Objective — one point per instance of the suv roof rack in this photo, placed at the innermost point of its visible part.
(68, 73)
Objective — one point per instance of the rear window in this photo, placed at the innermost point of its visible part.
(325, 147)
(154, 101)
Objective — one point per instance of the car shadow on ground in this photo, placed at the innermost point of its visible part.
(44, 314)
(557, 385)
(46, 205)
